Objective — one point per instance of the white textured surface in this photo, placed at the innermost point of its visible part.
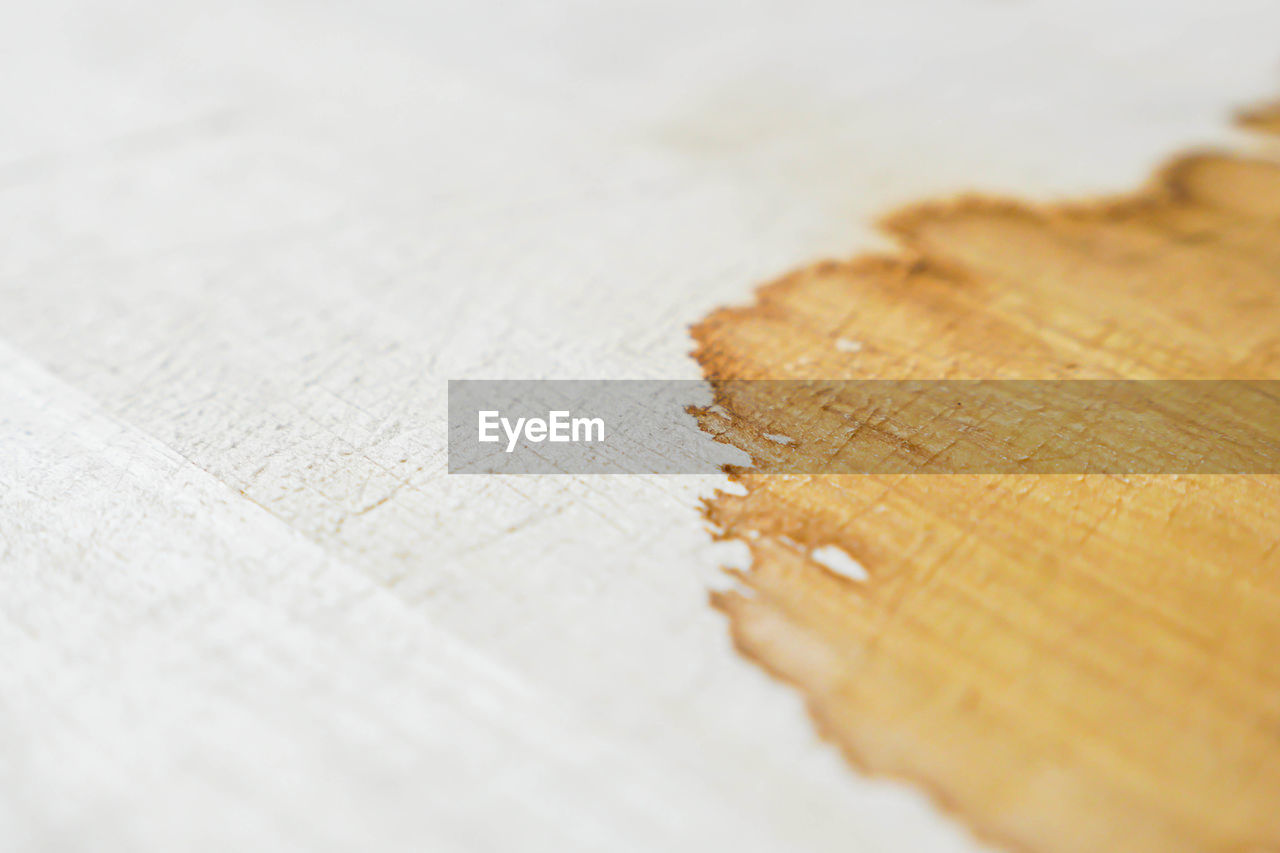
(245, 246)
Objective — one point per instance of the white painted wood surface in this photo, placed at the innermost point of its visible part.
(241, 604)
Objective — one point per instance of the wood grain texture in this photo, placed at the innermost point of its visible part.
(1066, 662)
(252, 240)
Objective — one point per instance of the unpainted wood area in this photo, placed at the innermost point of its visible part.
(1066, 662)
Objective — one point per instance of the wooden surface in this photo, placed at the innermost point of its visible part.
(1067, 661)
(241, 603)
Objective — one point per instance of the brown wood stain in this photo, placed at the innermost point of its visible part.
(1065, 662)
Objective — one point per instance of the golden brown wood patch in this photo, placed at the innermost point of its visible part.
(1066, 662)
(1265, 119)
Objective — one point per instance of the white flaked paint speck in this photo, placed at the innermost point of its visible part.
(848, 345)
(839, 561)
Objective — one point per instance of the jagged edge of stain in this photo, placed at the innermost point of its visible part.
(1168, 183)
